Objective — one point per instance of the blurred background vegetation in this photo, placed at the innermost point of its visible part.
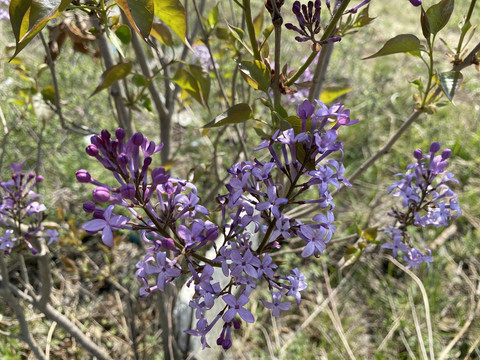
(373, 299)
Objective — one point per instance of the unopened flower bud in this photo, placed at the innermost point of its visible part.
(137, 139)
(39, 179)
(92, 150)
(417, 154)
(89, 207)
(434, 147)
(120, 134)
(168, 244)
(101, 194)
(128, 191)
(105, 135)
(83, 176)
(446, 154)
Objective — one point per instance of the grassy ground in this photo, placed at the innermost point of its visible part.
(372, 308)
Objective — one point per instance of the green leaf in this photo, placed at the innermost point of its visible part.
(236, 114)
(187, 81)
(139, 80)
(450, 81)
(139, 14)
(124, 34)
(363, 18)
(213, 17)
(256, 74)
(404, 43)
(331, 93)
(162, 33)
(439, 14)
(28, 17)
(258, 22)
(239, 34)
(370, 234)
(203, 80)
(48, 93)
(110, 76)
(172, 13)
(116, 42)
(425, 24)
(352, 254)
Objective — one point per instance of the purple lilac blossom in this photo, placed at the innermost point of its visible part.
(427, 200)
(19, 204)
(416, 2)
(110, 221)
(4, 15)
(176, 231)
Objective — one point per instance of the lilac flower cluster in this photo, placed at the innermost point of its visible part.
(428, 201)
(4, 15)
(308, 17)
(251, 217)
(21, 213)
(202, 55)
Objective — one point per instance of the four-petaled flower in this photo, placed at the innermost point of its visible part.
(110, 221)
(236, 307)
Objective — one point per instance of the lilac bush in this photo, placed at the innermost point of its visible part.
(427, 200)
(248, 226)
(21, 212)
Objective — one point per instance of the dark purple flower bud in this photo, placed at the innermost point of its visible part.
(30, 176)
(98, 214)
(416, 2)
(417, 154)
(122, 159)
(39, 179)
(446, 154)
(434, 147)
(101, 194)
(92, 150)
(236, 324)
(128, 191)
(120, 134)
(105, 135)
(83, 176)
(137, 139)
(147, 162)
(168, 244)
(89, 207)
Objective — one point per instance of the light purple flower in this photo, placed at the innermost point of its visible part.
(276, 305)
(236, 307)
(6, 241)
(52, 235)
(110, 221)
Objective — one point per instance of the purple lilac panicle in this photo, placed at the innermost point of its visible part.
(427, 200)
(19, 204)
(176, 231)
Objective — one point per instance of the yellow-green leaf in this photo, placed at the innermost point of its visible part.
(256, 74)
(162, 33)
(172, 13)
(139, 14)
(331, 93)
(110, 76)
(28, 17)
(404, 43)
(236, 114)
